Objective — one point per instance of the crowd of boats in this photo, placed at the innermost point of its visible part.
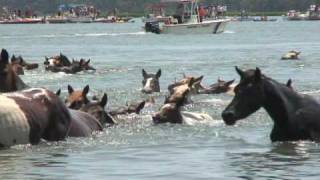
(67, 13)
(313, 13)
(190, 16)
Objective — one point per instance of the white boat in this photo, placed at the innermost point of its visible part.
(205, 27)
(190, 26)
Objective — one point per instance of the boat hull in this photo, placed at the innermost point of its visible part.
(206, 27)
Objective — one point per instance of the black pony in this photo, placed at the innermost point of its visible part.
(295, 116)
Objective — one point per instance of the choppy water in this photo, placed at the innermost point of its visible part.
(139, 150)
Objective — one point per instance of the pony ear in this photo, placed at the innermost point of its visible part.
(82, 62)
(144, 73)
(58, 92)
(220, 80)
(191, 82)
(184, 75)
(239, 71)
(85, 90)
(104, 100)
(47, 59)
(166, 99)
(158, 73)
(257, 75)
(87, 63)
(140, 107)
(289, 84)
(4, 56)
(198, 80)
(229, 82)
(70, 89)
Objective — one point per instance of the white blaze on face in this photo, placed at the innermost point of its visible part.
(51, 62)
(14, 126)
(147, 86)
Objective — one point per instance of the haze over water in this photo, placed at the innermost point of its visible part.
(137, 149)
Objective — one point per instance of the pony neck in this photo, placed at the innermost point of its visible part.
(280, 101)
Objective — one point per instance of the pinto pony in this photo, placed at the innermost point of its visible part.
(30, 115)
(150, 82)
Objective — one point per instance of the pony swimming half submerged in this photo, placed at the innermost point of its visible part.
(150, 82)
(9, 80)
(295, 116)
(32, 114)
(77, 98)
(171, 113)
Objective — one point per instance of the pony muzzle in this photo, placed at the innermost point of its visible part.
(229, 118)
(147, 90)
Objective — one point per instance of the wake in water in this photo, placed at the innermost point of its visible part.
(110, 34)
(76, 35)
(229, 32)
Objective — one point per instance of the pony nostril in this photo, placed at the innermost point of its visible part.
(228, 117)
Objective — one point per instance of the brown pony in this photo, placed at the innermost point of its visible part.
(219, 87)
(83, 124)
(195, 87)
(129, 109)
(9, 80)
(16, 66)
(178, 90)
(23, 63)
(97, 109)
(85, 65)
(77, 99)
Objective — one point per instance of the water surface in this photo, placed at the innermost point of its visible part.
(139, 150)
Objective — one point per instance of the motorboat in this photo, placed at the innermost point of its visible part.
(191, 21)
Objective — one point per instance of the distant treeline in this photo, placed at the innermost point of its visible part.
(136, 7)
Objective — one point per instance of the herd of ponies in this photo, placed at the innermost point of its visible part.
(30, 114)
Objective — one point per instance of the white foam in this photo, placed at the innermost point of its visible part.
(192, 118)
(229, 32)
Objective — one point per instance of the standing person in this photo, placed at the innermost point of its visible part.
(202, 12)
(179, 13)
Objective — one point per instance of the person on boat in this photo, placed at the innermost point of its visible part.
(179, 13)
(202, 13)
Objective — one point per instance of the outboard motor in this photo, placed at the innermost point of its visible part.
(152, 27)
